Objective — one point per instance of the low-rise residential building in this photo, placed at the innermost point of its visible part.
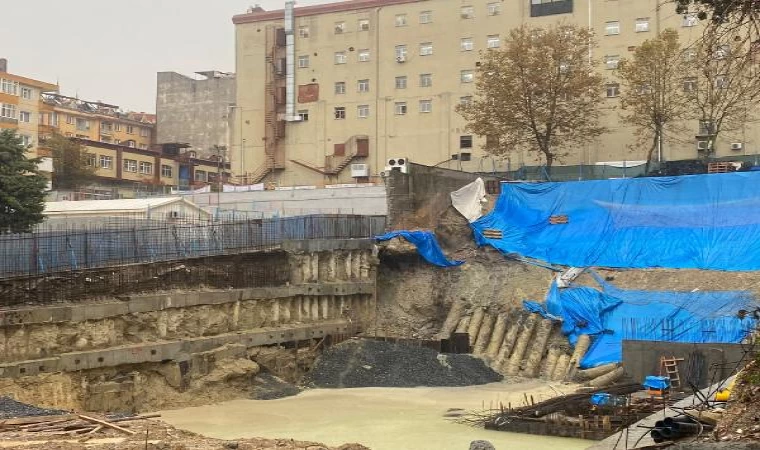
(21, 109)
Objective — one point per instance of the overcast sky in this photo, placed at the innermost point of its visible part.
(110, 51)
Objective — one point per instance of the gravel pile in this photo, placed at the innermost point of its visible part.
(10, 408)
(368, 363)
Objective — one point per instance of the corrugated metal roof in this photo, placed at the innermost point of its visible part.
(137, 205)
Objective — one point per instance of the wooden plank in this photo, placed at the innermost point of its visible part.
(106, 424)
(35, 419)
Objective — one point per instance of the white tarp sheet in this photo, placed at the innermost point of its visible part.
(469, 199)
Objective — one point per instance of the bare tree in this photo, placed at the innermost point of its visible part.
(723, 83)
(652, 97)
(539, 93)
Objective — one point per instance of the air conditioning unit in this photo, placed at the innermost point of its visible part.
(397, 164)
(359, 170)
(703, 145)
(401, 59)
(737, 146)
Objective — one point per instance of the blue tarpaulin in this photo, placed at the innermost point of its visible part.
(610, 315)
(697, 221)
(426, 244)
(655, 382)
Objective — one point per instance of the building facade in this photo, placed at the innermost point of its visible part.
(195, 111)
(331, 93)
(21, 109)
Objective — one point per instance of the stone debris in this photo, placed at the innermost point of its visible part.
(10, 408)
(395, 365)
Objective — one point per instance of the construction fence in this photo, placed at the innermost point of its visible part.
(59, 249)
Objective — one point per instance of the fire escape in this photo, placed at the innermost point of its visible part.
(274, 104)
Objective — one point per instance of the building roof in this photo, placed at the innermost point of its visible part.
(351, 5)
(43, 86)
(112, 206)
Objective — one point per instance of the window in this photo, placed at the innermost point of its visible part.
(340, 87)
(303, 61)
(26, 140)
(613, 90)
(466, 100)
(91, 160)
(130, 129)
(644, 89)
(144, 132)
(401, 52)
(467, 12)
(106, 162)
(26, 93)
(426, 79)
(690, 20)
(493, 41)
(362, 111)
(363, 24)
(400, 82)
(69, 119)
(303, 32)
(340, 113)
(303, 115)
(722, 51)
(9, 86)
(130, 165)
(364, 55)
(611, 62)
(494, 9)
(611, 28)
(540, 8)
(146, 168)
(340, 57)
(83, 124)
(689, 55)
(8, 111)
(131, 143)
(143, 146)
(426, 17)
(426, 49)
(466, 44)
(690, 84)
(117, 141)
(362, 85)
(400, 20)
(721, 82)
(166, 171)
(106, 127)
(465, 141)
(53, 119)
(24, 116)
(340, 27)
(117, 127)
(467, 76)
(426, 106)
(642, 25)
(201, 175)
(400, 108)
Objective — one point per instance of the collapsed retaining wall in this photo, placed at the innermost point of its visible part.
(111, 353)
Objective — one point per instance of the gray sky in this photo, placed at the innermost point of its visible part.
(110, 51)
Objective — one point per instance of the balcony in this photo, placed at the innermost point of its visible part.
(551, 8)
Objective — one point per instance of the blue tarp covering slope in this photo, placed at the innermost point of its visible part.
(697, 221)
(426, 244)
(611, 315)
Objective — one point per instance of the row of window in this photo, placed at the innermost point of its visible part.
(105, 127)
(641, 25)
(131, 165)
(689, 85)
(128, 165)
(8, 111)
(402, 20)
(14, 88)
(399, 108)
(401, 82)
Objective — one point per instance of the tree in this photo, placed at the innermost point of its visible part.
(22, 187)
(71, 166)
(652, 94)
(737, 11)
(539, 93)
(724, 84)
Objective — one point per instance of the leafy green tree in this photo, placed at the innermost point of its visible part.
(22, 187)
(538, 93)
(652, 95)
(71, 167)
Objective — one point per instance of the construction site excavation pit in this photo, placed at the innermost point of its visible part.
(379, 418)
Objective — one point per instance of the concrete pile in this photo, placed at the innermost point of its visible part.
(519, 343)
(368, 363)
(10, 408)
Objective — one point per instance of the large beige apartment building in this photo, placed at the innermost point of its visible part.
(333, 93)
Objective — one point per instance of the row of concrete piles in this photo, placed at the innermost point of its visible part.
(519, 343)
